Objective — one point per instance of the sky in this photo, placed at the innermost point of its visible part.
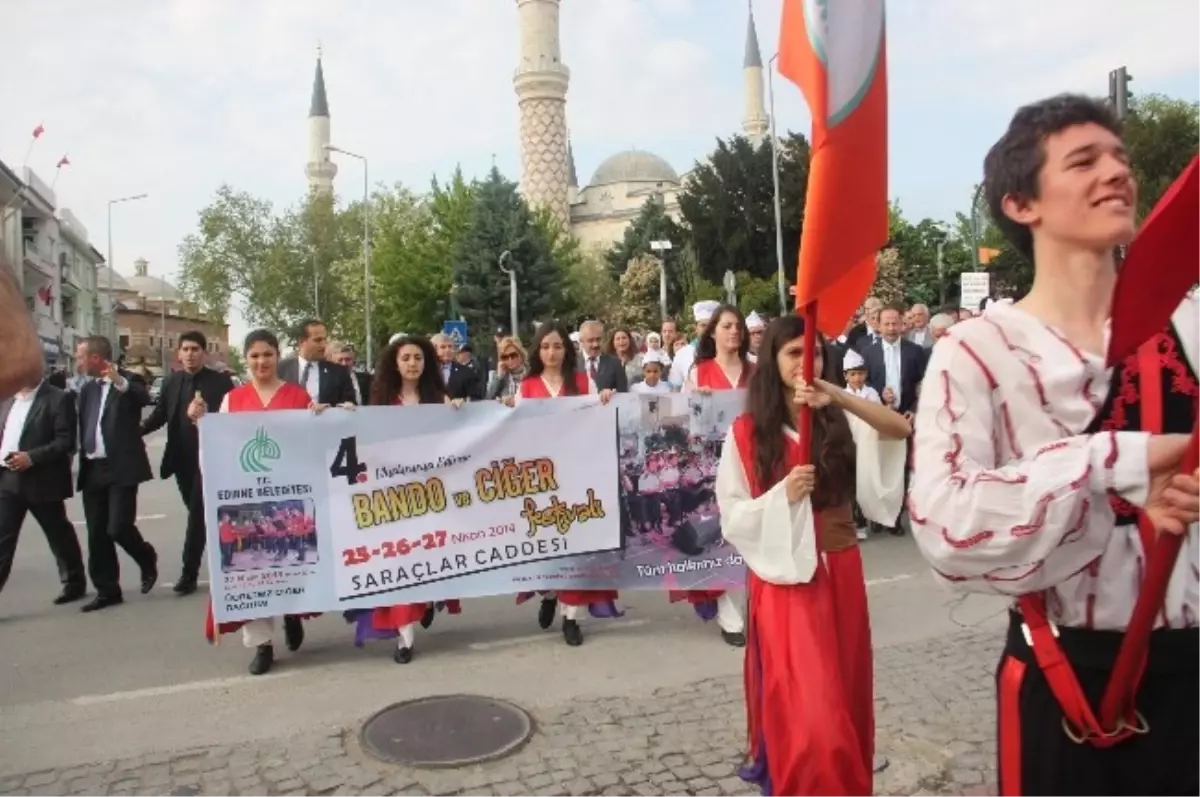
(175, 97)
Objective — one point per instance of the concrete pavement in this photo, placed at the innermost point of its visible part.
(650, 704)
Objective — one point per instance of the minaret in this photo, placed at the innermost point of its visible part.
(541, 85)
(320, 169)
(572, 176)
(755, 123)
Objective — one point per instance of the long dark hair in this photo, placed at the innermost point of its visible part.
(769, 405)
(706, 344)
(385, 387)
(536, 366)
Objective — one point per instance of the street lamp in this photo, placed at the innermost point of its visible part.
(775, 178)
(366, 243)
(662, 247)
(506, 257)
(112, 304)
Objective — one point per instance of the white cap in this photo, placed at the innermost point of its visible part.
(574, 337)
(656, 356)
(704, 311)
(754, 321)
(853, 360)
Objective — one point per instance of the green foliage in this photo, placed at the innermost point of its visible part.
(653, 224)
(1161, 134)
(501, 221)
(639, 294)
(728, 207)
(591, 290)
(757, 295)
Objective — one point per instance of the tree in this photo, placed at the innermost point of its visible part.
(888, 286)
(1161, 134)
(501, 222)
(639, 294)
(728, 207)
(917, 249)
(653, 224)
(591, 290)
(757, 295)
(243, 250)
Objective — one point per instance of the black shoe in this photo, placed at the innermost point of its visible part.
(150, 572)
(70, 594)
(186, 585)
(101, 602)
(546, 612)
(293, 632)
(572, 633)
(427, 618)
(402, 655)
(264, 657)
(735, 639)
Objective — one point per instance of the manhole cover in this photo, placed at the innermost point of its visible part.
(446, 731)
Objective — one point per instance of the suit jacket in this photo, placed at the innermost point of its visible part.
(333, 386)
(464, 383)
(364, 385)
(856, 334)
(171, 411)
(121, 428)
(610, 374)
(927, 338)
(912, 371)
(49, 440)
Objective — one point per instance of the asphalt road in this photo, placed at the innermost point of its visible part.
(140, 678)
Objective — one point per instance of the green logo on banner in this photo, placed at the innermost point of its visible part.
(257, 451)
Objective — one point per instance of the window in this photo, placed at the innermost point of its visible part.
(124, 342)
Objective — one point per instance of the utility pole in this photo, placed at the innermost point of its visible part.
(1118, 91)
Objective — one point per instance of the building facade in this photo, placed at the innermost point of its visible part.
(152, 314)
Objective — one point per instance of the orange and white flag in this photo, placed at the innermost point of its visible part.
(835, 53)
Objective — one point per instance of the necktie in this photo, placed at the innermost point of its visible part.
(592, 368)
(304, 376)
(91, 416)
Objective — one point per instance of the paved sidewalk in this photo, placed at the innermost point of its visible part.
(934, 713)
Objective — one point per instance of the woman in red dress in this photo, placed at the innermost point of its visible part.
(722, 363)
(808, 674)
(264, 392)
(407, 374)
(552, 373)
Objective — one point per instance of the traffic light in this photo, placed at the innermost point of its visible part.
(1118, 91)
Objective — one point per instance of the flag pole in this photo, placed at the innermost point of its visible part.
(804, 420)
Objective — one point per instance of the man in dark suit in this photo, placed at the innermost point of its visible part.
(347, 358)
(112, 464)
(605, 370)
(326, 383)
(895, 368)
(462, 381)
(864, 332)
(37, 440)
(181, 457)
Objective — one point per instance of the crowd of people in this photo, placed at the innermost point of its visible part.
(1037, 471)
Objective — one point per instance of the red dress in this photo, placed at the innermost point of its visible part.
(245, 398)
(533, 387)
(808, 674)
(710, 375)
(386, 619)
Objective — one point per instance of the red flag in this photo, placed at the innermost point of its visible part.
(835, 53)
(63, 161)
(1160, 268)
(37, 131)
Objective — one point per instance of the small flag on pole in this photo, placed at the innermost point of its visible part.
(835, 53)
(37, 131)
(63, 161)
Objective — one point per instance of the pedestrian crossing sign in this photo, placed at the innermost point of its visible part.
(456, 331)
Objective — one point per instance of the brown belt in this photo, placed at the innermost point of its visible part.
(836, 530)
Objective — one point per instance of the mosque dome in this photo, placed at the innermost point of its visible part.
(119, 283)
(634, 166)
(150, 287)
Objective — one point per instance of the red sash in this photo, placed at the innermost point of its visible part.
(1120, 699)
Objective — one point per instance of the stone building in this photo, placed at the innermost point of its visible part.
(151, 314)
(599, 212)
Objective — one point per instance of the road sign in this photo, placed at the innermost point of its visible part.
(456, 331)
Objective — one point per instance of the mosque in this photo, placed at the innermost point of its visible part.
(597, 213)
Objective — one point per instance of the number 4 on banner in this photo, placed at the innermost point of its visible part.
(345, 462)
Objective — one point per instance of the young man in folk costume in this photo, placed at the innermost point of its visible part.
(1040, 474)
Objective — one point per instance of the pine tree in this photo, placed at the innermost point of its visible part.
(501, 222)
(652, 224)
(888, 287)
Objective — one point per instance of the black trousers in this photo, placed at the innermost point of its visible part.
(1037, 757)
(60, 536)
(191, 490)
(110, 511)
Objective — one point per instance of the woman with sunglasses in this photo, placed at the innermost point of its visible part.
(510, 370)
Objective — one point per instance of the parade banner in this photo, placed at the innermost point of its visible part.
(384, 505)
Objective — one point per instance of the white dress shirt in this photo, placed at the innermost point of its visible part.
(891, 366)
(681, 365)
(313, 385)
(106, 388)
(10, 442)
